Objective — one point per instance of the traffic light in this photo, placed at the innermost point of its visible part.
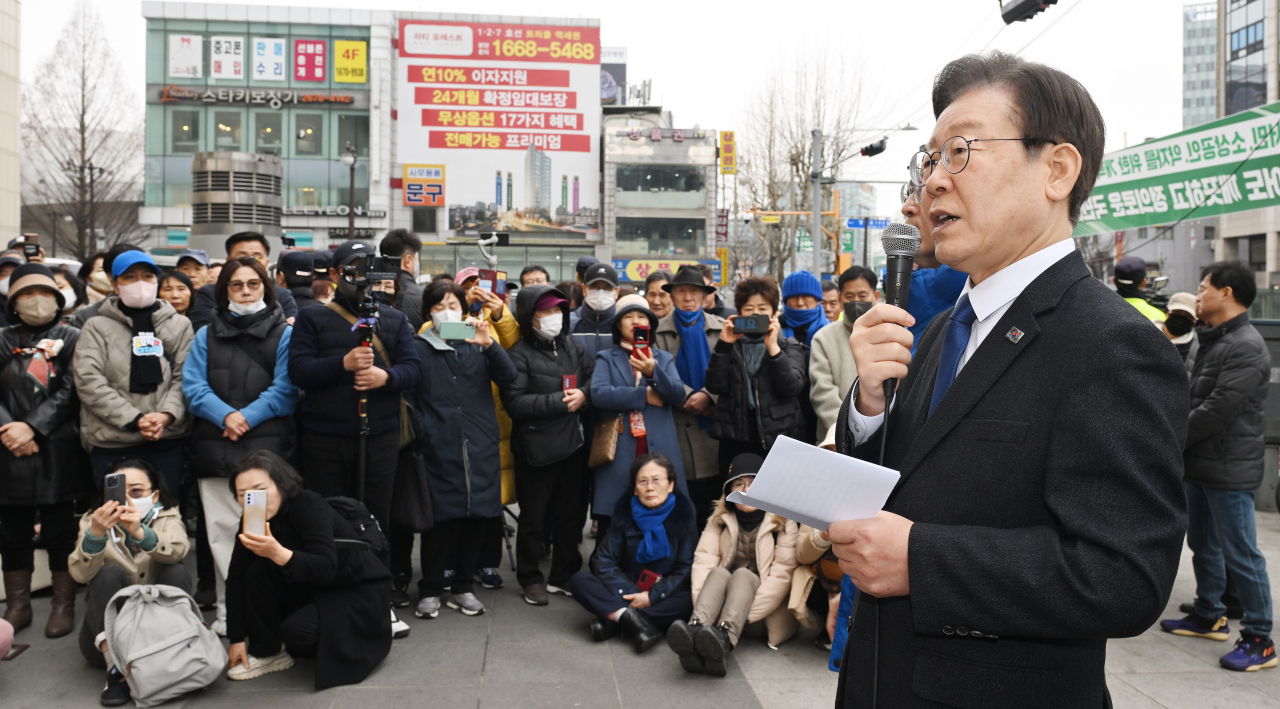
(1018, 10)
(874, 149)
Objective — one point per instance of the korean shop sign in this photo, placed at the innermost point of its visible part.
(1230, 165)
(255, 97)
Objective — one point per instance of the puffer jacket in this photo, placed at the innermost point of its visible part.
(775, 391)
(543, 429)
(775, 557)
(615, 563)
(103, 355)
(58, 473)
(1230, 373)
(171, 548)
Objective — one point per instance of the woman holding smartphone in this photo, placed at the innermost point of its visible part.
(293, 591)
(634, 387)
(142, 541)
(639, 580)
(758, 377)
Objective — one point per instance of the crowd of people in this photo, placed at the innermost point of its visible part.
(636, 408)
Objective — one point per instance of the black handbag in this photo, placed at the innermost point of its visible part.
(411, 501)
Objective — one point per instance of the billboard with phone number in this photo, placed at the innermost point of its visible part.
(501, 105)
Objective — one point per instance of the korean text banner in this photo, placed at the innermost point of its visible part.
(1230, 165)
(511, 110)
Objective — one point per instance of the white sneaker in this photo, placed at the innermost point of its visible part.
(557, 589)
(258, 666)
(399, 628)
(219, 627)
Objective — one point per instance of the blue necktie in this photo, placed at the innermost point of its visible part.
(953, 344)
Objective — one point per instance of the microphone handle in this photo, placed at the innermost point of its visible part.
(897, 290)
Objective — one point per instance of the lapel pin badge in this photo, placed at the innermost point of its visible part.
(1014, 335)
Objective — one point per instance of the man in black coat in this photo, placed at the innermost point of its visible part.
(1038, 429)
(405, 245)
(295, 271)
(1230, 370)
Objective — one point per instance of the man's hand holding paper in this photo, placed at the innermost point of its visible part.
(873, 552)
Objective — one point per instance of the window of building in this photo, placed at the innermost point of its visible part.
(354, 129)
(268, 133)
(185, 131)
(660, 178)
(1246, 82)
(226, 130)
(309, 134)
(648, 235)
(424, 220)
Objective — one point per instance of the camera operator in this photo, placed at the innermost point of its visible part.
(245, 244)
(334, 371)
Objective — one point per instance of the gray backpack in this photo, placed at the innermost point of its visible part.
(158, 640)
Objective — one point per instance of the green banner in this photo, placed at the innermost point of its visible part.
(1230, 165)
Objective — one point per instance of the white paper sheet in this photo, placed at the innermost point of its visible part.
(816, 487)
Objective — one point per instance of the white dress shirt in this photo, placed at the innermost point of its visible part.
(990, 300)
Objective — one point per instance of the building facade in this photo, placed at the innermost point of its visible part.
(1199, 68)
(10, 115)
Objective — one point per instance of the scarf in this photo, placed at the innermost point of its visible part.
(145, 374)
(694, 355)
(753, 352)
(654, 546)
(747, 521)
(814, 319)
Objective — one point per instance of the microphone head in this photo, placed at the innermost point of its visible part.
(900, 240)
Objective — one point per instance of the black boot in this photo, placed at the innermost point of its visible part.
(680, 638)
(602, 630)
(714, 645)
(642, 633)
(400, 592)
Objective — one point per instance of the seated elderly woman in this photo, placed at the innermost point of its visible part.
(741, 576)
(295, 590)
(639, 578)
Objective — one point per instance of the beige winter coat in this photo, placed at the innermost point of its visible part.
(171, 548)
(699, 451)
(832, 372)
(101, 366)
(809, 549)
(776, 559)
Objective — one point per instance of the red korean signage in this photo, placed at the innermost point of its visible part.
(526, 120)
(484, 140)
(309, 60)
(419, 74)
(499, 42)
(438, 96)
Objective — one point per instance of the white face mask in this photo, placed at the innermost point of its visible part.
(600, 300)
(443, 316)
(142, 504)
(139, 294)
(246, 309)
(550, 326)
(4, 286)
(69, 296)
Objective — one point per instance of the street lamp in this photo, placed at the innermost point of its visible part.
(349, 159)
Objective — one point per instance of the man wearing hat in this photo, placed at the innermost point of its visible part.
(584, 262)
(690, 334)
(1180, 323)
(295, 271)
(195, 263)
(1131, 280)
(592, 323)
(328, 363)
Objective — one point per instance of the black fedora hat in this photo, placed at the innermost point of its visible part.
(688, 276)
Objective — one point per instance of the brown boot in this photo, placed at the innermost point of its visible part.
(62, 618)
(17, 594)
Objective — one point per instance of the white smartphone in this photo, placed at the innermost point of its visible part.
(255, 512)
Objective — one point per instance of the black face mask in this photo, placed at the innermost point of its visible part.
(383, 297)
(856, 309)
(1178, 324)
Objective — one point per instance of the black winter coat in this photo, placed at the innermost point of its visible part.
(1229, 379)
(409, 300)
(59, 472)
(615, 561)
(351, 588)
(304, 297)
(543, 430)
(457, 429)
(777, 389)
(241, 365)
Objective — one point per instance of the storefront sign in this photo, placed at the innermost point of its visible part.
(263, 98)
(424, 185)
(350, 62)
(340, 232)
(723, 253)
(722, 226)
(728, 153)
(226, 57)
(1229, 165)
(186, 56)
(636, 270)
(308, 60)
(268, 59)
(330, 211)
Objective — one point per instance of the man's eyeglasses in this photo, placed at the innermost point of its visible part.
(954, 156)
(910, 193)
(254, 284)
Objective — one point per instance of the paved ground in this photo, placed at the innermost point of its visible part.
(516, 655)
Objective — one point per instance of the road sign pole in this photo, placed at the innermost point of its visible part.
(815, 176)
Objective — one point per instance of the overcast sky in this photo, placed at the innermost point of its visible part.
(707, 59)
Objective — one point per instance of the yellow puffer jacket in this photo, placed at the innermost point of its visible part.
(507, 331)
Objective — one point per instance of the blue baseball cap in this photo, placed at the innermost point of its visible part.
(130, 258)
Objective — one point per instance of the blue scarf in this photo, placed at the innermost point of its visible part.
(815, 318)
(694, 355)
(654, 546)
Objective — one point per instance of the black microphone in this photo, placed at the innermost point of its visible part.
(900, 243)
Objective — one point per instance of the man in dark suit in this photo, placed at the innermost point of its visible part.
(1038, 429)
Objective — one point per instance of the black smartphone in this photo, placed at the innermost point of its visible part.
(30, 250)
(115, 488)
(751, 324)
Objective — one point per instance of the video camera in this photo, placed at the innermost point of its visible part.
(364, 271)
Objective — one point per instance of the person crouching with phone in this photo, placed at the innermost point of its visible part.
(758, 375)
(742, 572)
(459, 440)
(134, 536)
(292, 591)
(639, 580)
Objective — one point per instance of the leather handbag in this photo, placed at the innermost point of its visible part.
(604, 442)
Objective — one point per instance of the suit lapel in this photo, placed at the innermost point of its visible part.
(622, 363)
